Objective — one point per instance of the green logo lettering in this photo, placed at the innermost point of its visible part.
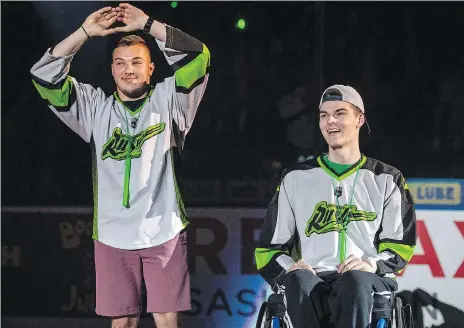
(120, 145)
(323, 219)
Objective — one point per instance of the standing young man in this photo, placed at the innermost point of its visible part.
(139, 216)
(340, 227)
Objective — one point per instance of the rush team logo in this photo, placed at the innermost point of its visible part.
(117, 147)
(326, 217)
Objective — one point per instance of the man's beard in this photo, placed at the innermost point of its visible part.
(137, 92)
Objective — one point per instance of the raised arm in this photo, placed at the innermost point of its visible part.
(188, 57)
(73, 102)
(97, 24)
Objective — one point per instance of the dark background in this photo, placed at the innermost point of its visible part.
(258, 112)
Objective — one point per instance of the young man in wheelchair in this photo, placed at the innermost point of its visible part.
(339, 227)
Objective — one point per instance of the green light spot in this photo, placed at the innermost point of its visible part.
(241, 24)
(173, 4)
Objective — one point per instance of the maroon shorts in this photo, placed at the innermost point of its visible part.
(163, 268)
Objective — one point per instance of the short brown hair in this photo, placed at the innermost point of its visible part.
(130, 40)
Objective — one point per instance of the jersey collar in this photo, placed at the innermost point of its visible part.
(342, 175)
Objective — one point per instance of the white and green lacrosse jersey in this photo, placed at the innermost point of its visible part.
(322, 216)
(137, 203)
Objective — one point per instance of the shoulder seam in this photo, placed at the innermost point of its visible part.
(378, 167)
(298, 167)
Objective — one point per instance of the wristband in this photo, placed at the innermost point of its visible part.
(82, 27)
(148, 24)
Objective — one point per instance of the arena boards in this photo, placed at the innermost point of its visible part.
(47, 264)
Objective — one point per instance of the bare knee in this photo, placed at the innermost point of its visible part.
(125, 322)
(167, 320)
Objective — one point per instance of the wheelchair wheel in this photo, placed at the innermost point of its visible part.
(399, 320)
(260, 323)
(408, 319)
(264, 321)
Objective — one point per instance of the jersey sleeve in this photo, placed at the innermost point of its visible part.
(190, 60)
(397, 238)
(73, 102)
(273, 254)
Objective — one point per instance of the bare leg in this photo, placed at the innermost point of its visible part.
(168, 320)
(125, 322)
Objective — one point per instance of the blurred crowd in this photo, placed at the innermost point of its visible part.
(259, 113)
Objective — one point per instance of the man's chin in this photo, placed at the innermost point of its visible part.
(135, 92)
(335, 145)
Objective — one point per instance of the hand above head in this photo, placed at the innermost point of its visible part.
(353, 262)
(134, 18)
(99, 22)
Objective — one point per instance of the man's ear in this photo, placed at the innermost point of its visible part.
(361, 121)
(152, 68)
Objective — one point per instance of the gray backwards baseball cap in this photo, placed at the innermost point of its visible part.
(344, 93)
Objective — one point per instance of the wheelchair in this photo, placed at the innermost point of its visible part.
(273, 312)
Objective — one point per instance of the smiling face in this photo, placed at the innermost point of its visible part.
(132, 69)
(340, 122)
